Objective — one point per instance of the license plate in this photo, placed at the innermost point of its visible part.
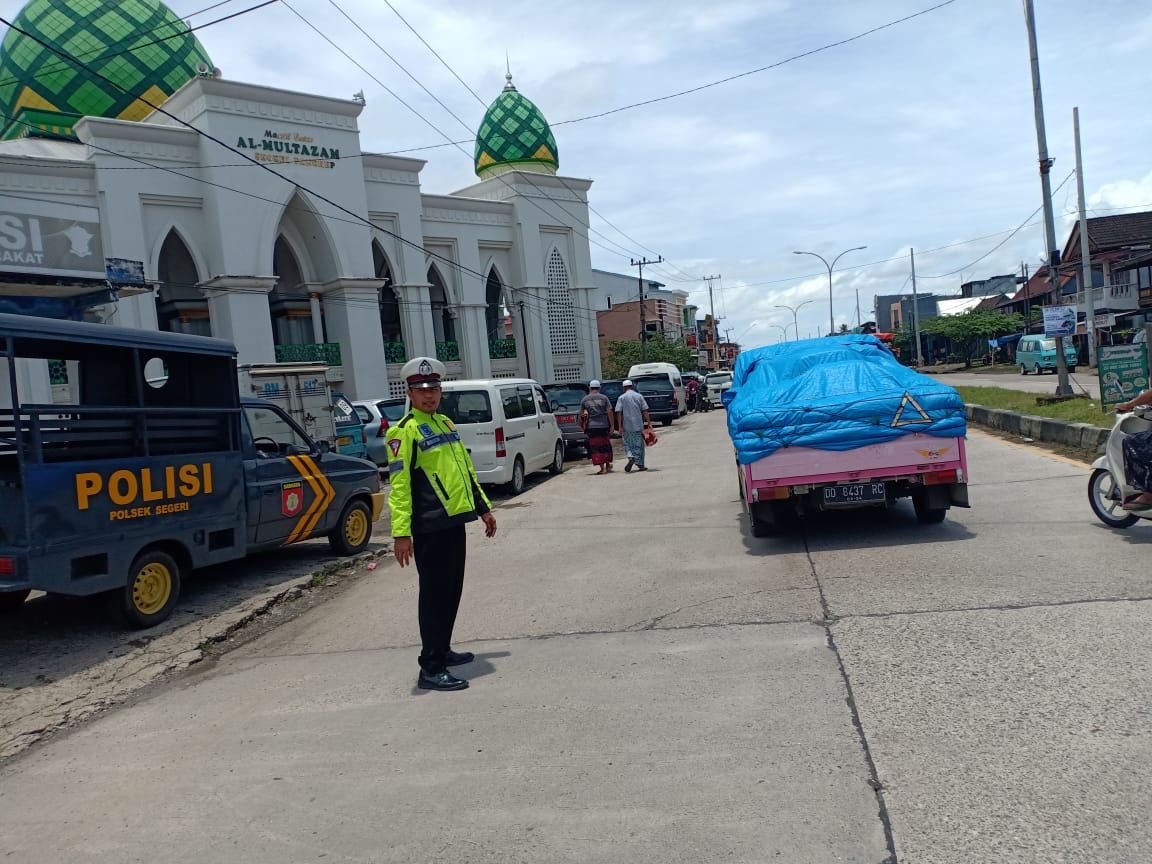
(854, 493)
(343, 441)
(566, 418)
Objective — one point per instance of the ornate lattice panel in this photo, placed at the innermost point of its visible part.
(561, 315)
(564, 374)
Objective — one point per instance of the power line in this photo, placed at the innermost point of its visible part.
(483, 104)
(349, 57)
(1005, 240)
(45, 71)
(717, 83)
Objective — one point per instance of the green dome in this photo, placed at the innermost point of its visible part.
(140, 44)
(514, 135)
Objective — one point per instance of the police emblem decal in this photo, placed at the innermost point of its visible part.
(394, 446)
(425, 367)
(292, 498)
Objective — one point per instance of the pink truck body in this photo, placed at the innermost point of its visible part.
(931, 470)
(909, 456)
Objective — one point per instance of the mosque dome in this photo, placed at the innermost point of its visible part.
(140, 44)
(514, 136)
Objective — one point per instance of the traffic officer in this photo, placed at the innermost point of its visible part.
(434, 494)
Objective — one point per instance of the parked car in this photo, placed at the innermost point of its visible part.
(673, 374)
(612, 388)
(351, 439)
(565, 400)
(507, 425)
(715, 384)
(378, 415)
(660, 395)
(1037, 353)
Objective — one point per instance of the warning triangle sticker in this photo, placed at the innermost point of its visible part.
(904, 414)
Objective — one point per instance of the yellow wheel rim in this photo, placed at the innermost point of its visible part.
(151, 588)
(356, 527)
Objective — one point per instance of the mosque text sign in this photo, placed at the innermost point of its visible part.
(290, 148)
(50, 239)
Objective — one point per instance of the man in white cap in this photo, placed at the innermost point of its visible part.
(434, 494)
(599, 423)
(632, 419)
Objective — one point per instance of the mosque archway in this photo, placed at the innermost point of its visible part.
(391, 321)
(180, 306)
(443, 322)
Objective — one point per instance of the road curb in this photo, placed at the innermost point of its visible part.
(1081, 436)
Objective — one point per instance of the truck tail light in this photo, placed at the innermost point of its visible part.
(501, 445)
(7, 566)
(939, 478)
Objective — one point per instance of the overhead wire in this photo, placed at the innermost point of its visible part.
(687, 277)
(551, 215)
(44, 71)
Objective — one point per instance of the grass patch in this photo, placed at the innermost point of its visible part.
(1074, 410)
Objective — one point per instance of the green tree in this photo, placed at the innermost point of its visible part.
(969, 332)
(622, 356)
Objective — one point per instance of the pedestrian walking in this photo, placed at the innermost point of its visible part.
(600, 424)
(434, 494)
(632, 419)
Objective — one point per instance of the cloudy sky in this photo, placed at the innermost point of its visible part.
(918, 136)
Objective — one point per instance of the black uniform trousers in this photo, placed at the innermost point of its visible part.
(439, 557)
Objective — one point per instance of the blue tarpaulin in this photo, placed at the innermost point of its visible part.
(834, 393)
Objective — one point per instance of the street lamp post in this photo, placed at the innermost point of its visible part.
(794, 310)
(831, 317)
(783, 328)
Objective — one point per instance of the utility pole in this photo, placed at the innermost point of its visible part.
(712, 312)
(916, 312)
(643, 318)
(1085, 255)
(1062, 386)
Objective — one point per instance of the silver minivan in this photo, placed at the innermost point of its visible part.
(507, 425)
(1037, 353)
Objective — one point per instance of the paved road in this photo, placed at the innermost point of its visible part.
(654, 685)
(1081, 382)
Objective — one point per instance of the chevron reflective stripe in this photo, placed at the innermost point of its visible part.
(323, 491)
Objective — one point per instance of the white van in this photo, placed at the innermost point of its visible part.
(508, 427)
(674, 377)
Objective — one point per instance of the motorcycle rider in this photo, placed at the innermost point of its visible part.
(1138, 458)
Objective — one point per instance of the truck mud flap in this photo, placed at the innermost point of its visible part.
(959, 494)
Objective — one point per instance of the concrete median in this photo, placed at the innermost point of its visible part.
(1082, 436)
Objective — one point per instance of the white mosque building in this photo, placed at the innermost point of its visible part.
(337, 257)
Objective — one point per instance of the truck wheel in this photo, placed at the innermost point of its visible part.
(11, 601)
(557, 466)
(152, 590)
(353, 531)
(667, 421)
(927, 515)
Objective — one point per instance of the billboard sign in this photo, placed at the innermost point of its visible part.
(1059, 320)
(48, 239)
(1123, 371)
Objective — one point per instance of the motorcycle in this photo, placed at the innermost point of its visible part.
(1106, 488)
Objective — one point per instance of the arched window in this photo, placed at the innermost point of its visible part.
(390, 324)
(501, 344)
(442, 322)
(288, 301)
(180, 307)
